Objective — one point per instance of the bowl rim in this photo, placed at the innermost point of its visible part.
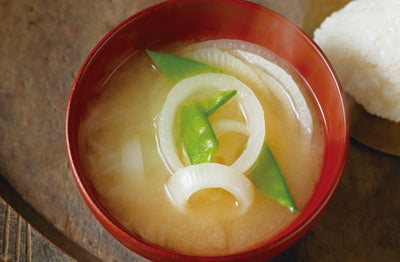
(152, 251)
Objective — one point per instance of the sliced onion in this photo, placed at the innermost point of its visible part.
(228, 63)
(223, 44)
(88, 129)
(128, 160)
(256, 55)
(103, 164)
(191, 179)
(286, 86)
(229, 44)
(208, 82)
(224, 126)
(132, 158)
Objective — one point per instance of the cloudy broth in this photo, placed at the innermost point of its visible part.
(118, 143)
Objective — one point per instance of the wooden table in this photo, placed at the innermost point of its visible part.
(42, 215)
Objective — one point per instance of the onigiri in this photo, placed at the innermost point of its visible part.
(362, 42)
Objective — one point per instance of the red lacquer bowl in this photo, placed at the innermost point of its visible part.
(194, 19)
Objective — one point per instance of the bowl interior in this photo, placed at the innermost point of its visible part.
(191, 20)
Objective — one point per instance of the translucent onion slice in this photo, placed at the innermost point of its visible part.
(228, 63)
(229, 44)
(128, 159)
(132, 158)
(208, 82)
(223, 44)
(286, 84)
(88, 129)
(224, 126)
(256, 55)
(191, 179)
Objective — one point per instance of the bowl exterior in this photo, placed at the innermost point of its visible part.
(211, 19)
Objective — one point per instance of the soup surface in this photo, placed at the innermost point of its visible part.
(119, 145)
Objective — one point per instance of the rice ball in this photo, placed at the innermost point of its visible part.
(362, 41)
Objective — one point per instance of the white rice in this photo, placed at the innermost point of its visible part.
(362, 41)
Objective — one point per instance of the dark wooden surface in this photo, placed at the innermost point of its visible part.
(21, 242)
(42, 215)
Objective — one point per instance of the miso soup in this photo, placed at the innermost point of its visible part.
(151, 131)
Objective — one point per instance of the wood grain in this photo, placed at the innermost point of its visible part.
(19, 242)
